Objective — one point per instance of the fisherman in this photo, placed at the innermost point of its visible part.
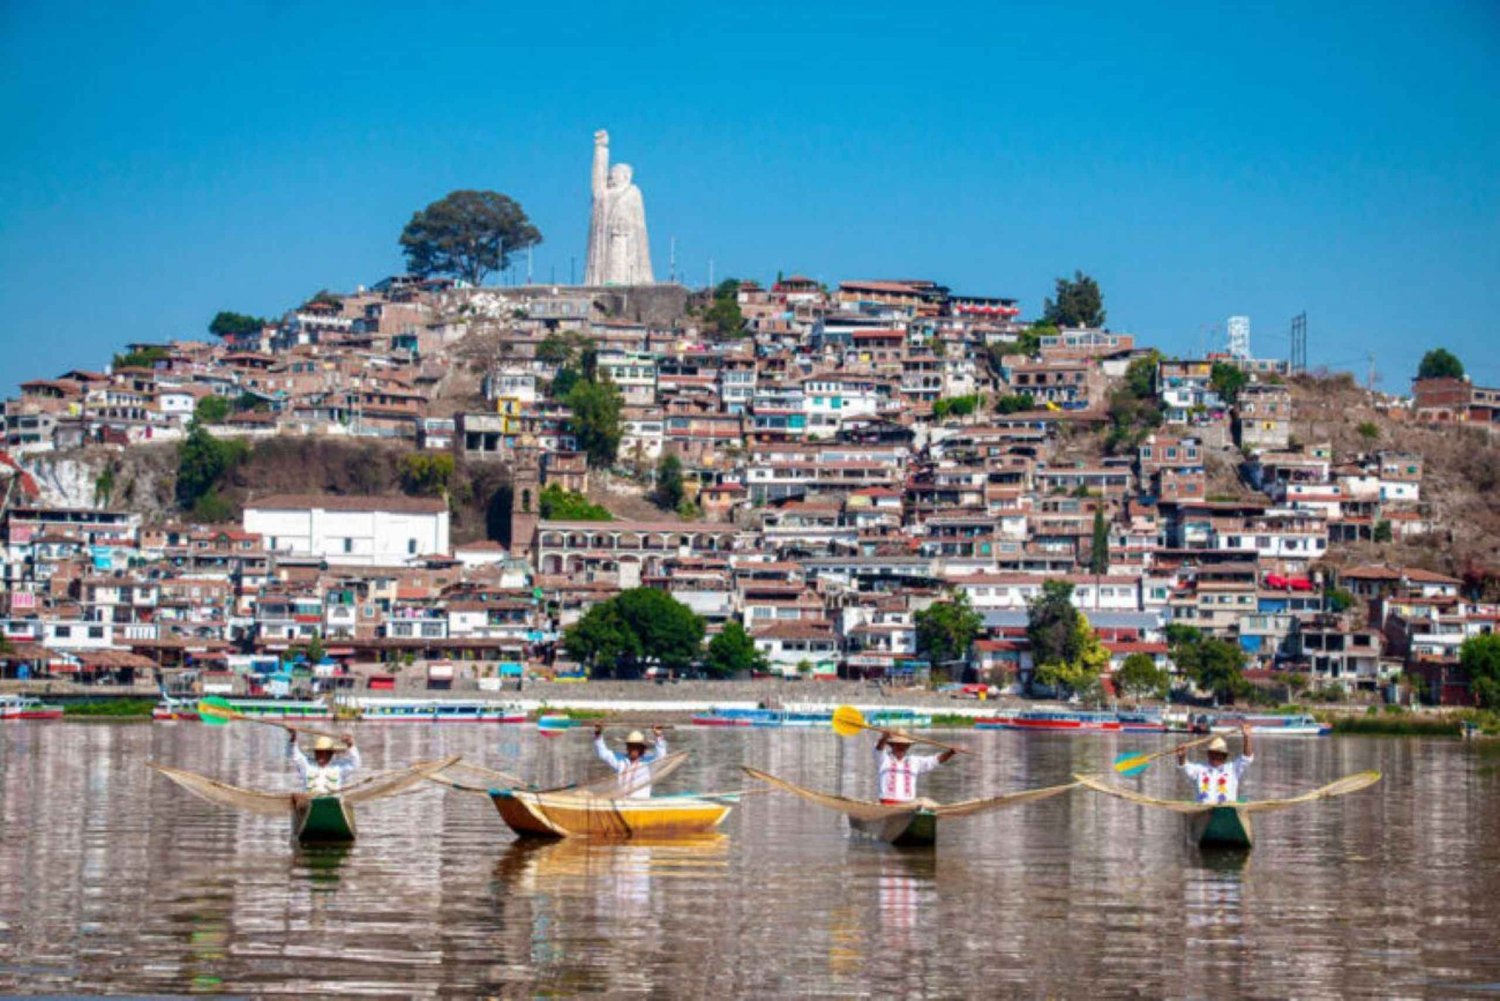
(1219, 780)
(634, 767)
(323, 776)
(898, 770)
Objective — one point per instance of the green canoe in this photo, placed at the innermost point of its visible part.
(1221, 827)
(322, 820)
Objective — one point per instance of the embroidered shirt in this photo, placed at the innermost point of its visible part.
(323, 780)
(898, 776)
(1217, 785)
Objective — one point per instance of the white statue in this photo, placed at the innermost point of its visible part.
(619, 253)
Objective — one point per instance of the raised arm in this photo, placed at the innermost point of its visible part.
(660, 749)
(607, 756)
(350, 761)
(1249, 751)
(298, 759)
(601, 162)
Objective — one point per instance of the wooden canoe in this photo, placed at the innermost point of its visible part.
(911, 824)
(565, 815)
(322, 820)
(1221, 827)
(909, 829)
(1211, 825)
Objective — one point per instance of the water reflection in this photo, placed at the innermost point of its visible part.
(111, 879)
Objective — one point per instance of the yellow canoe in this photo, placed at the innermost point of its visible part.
(563, 815)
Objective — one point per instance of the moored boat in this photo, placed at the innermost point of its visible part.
(22, 707)
(807, 716)
(1260, 724)
(565, 814)
(1141, 720)
(437, 711)
(284, 709)
(1059, 720)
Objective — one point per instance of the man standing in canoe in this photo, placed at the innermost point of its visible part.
(634, 767)
(1219, 780)
(898, 770)
(324, 776)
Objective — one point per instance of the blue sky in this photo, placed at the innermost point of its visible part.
(165, 161)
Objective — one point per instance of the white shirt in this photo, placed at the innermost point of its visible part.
(635, 776)
(1218, 785)
(323, 780)
(898, 776)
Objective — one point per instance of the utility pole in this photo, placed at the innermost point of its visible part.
(528, 265)
(572, 270)
(1370, 375)
(672, 272)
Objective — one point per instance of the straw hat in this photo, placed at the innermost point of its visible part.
(325, 744)
(899, 737)
(635, 737)
(1217, 745)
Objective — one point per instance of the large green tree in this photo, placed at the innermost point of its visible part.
(1052, 625)
(595, 420)
(467, 234)
(1480, 658)
(732, 652)
(724, 316)
(1139, 677)
(226, 324)
(1216, 666)
(1079, 303)
(1227, 380)
(946, 630)
(202, 460)
(633, 630)
(1440, 363)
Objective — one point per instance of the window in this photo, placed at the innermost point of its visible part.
(63, 632)
(348, 545)
(96, 632)
(411, 547)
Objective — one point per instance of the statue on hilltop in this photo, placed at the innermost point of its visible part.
(618, 251)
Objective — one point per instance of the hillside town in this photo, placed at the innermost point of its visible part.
(816, 465)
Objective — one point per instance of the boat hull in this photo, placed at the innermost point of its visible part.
(322, 820)
(1221, 827)
(535, 815)
(1049, 725)
(908, 830)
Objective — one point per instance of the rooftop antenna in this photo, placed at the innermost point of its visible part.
(572, 270)
(1370, 375)
(528, 265)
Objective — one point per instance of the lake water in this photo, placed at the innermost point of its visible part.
(113, 879)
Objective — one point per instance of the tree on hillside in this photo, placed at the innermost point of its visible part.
(946, 630)
(1080, 674)
(1479, 656)
(725, 317)
(227, 324)
(669, 491)
(558, 504)
(1227, 380)
(1052, 624)
(1139, 677)
(211, 410)
(140, 358)
(633, 630)
(1099, 553)
(1079, 303)
(732, 652)
(202, 460)
(595, 420)
(467, 234)
(1440, 363)
(1140, 375)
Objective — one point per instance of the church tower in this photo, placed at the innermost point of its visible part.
(525, 500)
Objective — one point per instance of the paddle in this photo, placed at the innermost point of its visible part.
(216, 711)
(1134, 764)
(847, 721)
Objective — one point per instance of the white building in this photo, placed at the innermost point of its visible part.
(351, 531)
